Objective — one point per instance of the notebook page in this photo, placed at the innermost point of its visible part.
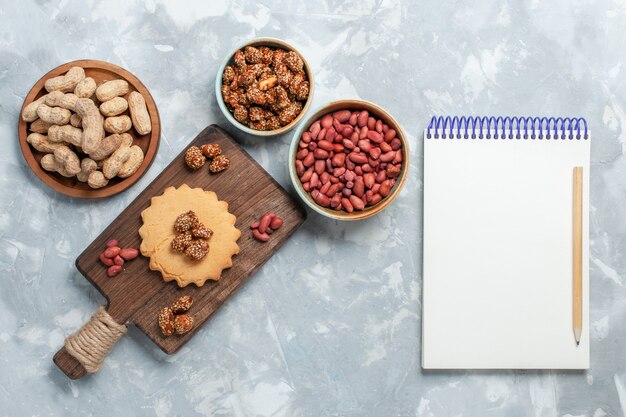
(497, 291)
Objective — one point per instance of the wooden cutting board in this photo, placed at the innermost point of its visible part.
(136, 295)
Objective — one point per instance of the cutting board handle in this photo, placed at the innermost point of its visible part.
(85, 350)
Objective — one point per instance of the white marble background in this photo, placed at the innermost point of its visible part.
(318, 331)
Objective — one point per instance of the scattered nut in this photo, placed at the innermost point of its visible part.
(114, 270)
(166, 321)
(171, 320)
(129, 254)
(262, 228)
(115, 257)
(220, 163)
(182, 304)
(183, 323)
(211, 150)
(194, 158)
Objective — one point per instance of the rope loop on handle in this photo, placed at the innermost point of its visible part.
(92, 342)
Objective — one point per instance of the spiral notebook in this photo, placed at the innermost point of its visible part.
(497, 273)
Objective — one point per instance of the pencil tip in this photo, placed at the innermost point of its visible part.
(577, 342)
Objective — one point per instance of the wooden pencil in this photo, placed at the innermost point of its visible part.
(578, 253)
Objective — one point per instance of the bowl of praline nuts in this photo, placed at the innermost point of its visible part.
(264, 87)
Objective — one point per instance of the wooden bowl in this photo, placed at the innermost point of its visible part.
(272, 43)
(99, 71)
(352, 105)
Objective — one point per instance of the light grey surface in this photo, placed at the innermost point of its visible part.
(330, 326)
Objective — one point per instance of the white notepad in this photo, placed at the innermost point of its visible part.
(497, 272)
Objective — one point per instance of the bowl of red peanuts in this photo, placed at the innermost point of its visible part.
(349, 160)
(264, 87)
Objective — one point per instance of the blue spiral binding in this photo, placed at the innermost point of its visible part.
(476, 127)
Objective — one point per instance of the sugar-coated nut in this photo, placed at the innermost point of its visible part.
(129, 253)
(114, 107)
(67, 82)
(118, 124)
(220, 163)
(114, 270)
(166, 321)
(201, 231)
(93, 130)
(97, 180)
(113, 164)
(263, 90)
(186, 221)
(54, 115)
(118, 260)
(211, 150)
(86, 88)
(182, 305)
(132, 164)
(197, 250)
(111, 89)
(194, 158)
(181, 242)
(29, 114)
(183, 323)
(139, 113)
(106, 261)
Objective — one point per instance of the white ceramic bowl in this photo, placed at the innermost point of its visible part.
(272, 43)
